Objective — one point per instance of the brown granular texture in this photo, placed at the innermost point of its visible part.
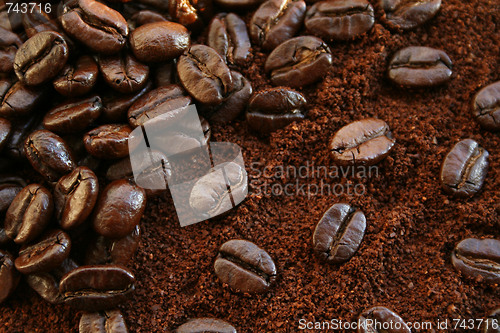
(404, 260)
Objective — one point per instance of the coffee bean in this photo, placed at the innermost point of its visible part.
(119, 209)
(143, 17)
(78, 79)
(228, 35)
(298, 62)
(409, 14)
(5, 132)
(420, 66)
(75, 196)
(9, 44)
(10, 186)
(161, 41)
(22, 128)
(94, 24)
(191, 13)
(9, 277)
(108, 141)
(205, 75)
(372, 319)
(18, 100)
(10, 20)
(115, 106)
(478, 259)
(464, 169)
(29, 213)
(272, 109)
(73, 115)
(245, 267)
(492, 323)
(206, 325)
(102, 322)
(96, 288)
(123, 72)
(339, 233)
(487, 106)
(49, 154)
(340, 20)
(363, 142)
(276, 21)
(37, 20)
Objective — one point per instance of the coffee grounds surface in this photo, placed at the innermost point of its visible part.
(404, 260)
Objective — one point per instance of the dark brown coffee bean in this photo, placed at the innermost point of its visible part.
(464, 169)
(487, 106)
(119, 209)
(102, 322)
(123, 72)
(5, 132)
(205, 75)
(238, 4)
(272, 109)
(206, 325)
(299, 61)
(340, 20)
(29, 213)
(492, 323)
(478, 259)
(339, 233)
(49, 154)
(9, 44)
(20, 131)
(97, 288)
(363, 142)
(161, 41)
(115, 106)
(409, 14)
(10, 186)
(143, 17)
(73, 115)
(9, 277)
(18, 100)
(108, 141)
(420, 66)
(78, 79)
(276, 21)
(36, 20)
(381, 319)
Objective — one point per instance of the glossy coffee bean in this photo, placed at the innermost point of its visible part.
(108, 141)
(18, 100)
(9, 44)
(73, 115)
(102, 322)
(390, 321)
(48, 253)
(298, 62)
(339, 233)
(75, 195)
(205, 75)
(160, 41)
(478, 259)
(29, 213)
(78, 79)
(272, 109)
(206, 325)
(14, 147)
(420, 66)
(238, 4)
(145, 16)
(119, 209)
(96, 288)
(123, 72)
(37, 20)
(48, 154)
(115, 106)
(5, 132)
(9, 277)
(228, 35)
(340, 20)
(492, 323)
(464, 169)
(486, 106)
(276, 21)
(363, 142)
(409, 14)
(10, 186)
(245, 267)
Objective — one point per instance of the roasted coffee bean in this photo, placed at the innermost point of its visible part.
(299, 61)
(10, 186)
(123, 72)
(49, 154)
(94, 24)
(5, 132)
(29, 213)
(9, 44)
(464, 169)
(487, 106)
(206, 325)
(272, 109)
(161, 41)
(339, 233)
(420, 66)
(363, 142)
(96, 288)
(20, 131)
(108, 141)
(73, 115)
(191, 13)
(205, 75)
(379, 316)
(276, 21)
(143, 17)
(409, 14)
(228, 35)
(245, 267)
(9, 277)
(18, 100)
(478, 259)
(340, 20)
(36, 20)
(104, 250)
(78, 79)
(119, 209)
(492, 323)
(75, 196)
(102, 322)
(115, 106)
(238, 4)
